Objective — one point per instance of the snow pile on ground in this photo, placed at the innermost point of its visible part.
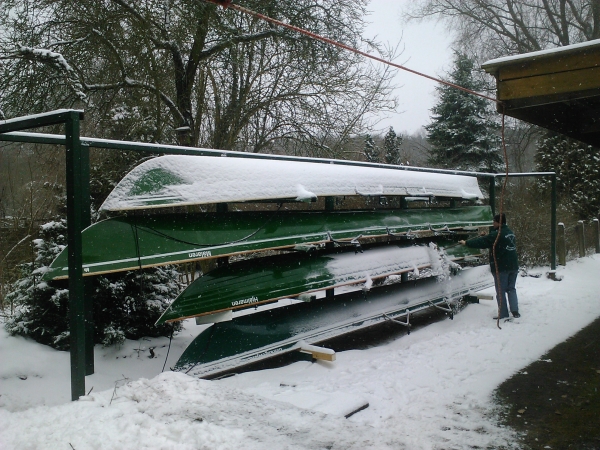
(427, 390)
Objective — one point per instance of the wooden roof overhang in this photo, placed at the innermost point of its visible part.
(558, 89)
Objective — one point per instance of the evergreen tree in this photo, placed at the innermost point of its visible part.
(41, 309)
(391, 147)
(125, 305)
(371, 150)
(577, 168)
(462, 133)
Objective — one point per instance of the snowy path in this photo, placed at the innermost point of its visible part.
(427, 390)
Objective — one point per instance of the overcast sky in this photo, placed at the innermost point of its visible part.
(426, 49)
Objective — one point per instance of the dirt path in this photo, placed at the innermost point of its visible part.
(555, 402)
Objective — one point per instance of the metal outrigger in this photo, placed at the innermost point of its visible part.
(406, 324)
(447, 309)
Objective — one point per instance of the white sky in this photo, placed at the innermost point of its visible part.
(426, 49)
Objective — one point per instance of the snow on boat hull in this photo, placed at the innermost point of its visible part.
(249, 284)
(178, 180)
(248, 339)
(134, 242)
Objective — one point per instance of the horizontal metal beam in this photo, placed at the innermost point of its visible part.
(56, 139)
(39, 120)
(526, 174)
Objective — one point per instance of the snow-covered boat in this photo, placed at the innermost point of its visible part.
(248, 339)
(180, 180)
(397, 238)
(252, 283)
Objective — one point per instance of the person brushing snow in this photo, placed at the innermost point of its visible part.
(508, 264)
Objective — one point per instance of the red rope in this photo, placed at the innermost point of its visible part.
(499, 292)
(228, 4)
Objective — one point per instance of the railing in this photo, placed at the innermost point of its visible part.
(578, 240)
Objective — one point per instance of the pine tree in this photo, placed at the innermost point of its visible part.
(577, 168)
(371, 150)
(41, 309)
(126, 305)
(391, 147)
(462, 133)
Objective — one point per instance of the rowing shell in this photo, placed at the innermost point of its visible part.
(245, 340)
(179, 180)
(248, 284)
(134, 242)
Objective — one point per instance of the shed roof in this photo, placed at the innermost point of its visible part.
(558, 89)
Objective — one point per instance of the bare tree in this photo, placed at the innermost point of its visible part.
(190, 72)
(30, 192)
(493, 28)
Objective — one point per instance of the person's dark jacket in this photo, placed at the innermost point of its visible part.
(506, 249)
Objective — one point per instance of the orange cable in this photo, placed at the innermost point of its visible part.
(499, 292)
(229, 4)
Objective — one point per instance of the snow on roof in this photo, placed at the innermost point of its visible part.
(177, 180)
(492, 63)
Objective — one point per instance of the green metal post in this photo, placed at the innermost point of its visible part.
(493, 194)
(86, 221)
(329, 206)
(553, 226)
(329, 203)
(74, 227)
(561, 245)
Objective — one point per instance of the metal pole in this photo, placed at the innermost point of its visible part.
(561, 245)
(553, 226)
(86, 221)
(493, 194)
(74, 228)
(596, 227)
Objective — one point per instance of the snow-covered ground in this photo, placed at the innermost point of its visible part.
(427, 390)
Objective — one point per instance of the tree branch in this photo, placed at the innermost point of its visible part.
(54, 60)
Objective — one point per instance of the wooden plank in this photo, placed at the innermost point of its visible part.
(320, 353)
(577, 104)
(543, 85)
(549, 64)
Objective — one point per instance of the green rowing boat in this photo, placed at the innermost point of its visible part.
(178, 180)
(134, 242)
(247, 284)
(245, 340)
